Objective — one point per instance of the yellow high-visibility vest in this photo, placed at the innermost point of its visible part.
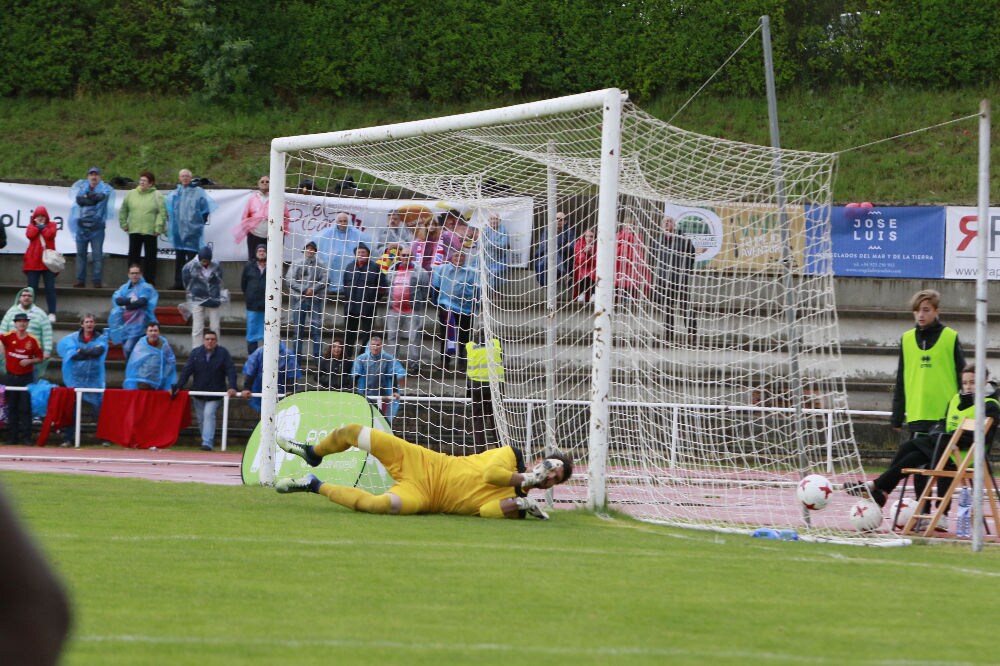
(481, 357)
(929, 375)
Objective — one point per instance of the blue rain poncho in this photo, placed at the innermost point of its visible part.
(253, 370)
(457, 287)
(336, 249)
(83, 363)
(151, 367)
(129, 321)
(377, 377)
(188, 209)
(90, 208)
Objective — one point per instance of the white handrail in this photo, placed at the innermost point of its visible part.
(531, 403)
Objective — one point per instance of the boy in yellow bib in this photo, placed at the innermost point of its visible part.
(921, 450)
(493, 484)
(930, 363)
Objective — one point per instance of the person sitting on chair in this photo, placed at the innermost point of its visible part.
(925, 449)
(493, 484)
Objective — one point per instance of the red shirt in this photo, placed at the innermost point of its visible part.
(16, 348)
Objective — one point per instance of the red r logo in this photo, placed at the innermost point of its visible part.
(969, 233)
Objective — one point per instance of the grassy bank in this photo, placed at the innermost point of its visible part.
(56, 140)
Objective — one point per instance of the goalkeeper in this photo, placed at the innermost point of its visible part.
(493, 484)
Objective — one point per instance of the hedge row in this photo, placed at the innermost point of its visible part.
(255, 50)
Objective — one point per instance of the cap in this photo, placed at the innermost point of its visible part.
(20, 316)
(205, 253)
(311, 244)
(93, 170)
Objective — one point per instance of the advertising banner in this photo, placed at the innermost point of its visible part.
(308, 417)
(962, 244)
(309, 216)
(900, 242)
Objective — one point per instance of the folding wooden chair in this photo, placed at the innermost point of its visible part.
(959, 477)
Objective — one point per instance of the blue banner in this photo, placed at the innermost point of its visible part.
(879, 242)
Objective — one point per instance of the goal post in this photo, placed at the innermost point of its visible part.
(663, 301)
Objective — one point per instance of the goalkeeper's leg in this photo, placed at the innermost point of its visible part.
(401, 458)
(339, 440)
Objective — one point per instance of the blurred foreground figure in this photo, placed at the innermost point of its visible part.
(34, 610)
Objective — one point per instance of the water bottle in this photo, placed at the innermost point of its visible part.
(963, 526)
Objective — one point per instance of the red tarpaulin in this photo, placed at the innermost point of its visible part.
(143, 419)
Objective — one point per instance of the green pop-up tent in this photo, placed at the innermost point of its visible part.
(308, 417)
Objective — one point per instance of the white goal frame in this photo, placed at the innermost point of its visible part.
(610, 100)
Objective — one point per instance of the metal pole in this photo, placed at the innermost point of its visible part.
(272, 316)
(551, 290)
(603, 300)
(982, 300)
(791, 315)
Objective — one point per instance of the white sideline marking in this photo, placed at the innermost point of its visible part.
(520, 648)
(147, 461)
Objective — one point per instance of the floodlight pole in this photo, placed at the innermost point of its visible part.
(982, 300)
(791, 315)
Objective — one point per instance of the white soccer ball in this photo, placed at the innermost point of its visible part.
(866, 516)
(814, 492)
(906, 508)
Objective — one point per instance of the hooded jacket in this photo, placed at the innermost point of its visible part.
(39, 240)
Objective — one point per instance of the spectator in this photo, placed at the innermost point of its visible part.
(152, 365)
(41, 235)
(21, 353)
(133, 306)
(380, 378)
(457, 286)
(93, 200)
(253, 371)
(39, 326)
(83, 353)
(205, 293)
(335, 371)
(633, 277)
(308, 281)
(253, 222)
(188, 208)
(363, 284)
(427, 253)
(401, 318)
(396, 234)
(565, 239)
(337, 246)
(213, 370)
(485, 358)
(253, 283)
(674, 255)
(453, 232)
(143, 216)
(585, 266)
(496, 250)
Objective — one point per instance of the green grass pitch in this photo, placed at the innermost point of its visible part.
(171, 573)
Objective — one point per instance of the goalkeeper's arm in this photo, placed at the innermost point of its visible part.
(498, 475)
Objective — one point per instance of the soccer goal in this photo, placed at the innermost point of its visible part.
(663, 302)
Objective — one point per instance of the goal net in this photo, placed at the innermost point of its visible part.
(663, 303)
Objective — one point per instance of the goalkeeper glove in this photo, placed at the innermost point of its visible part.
(531, 507)
(539, 473)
